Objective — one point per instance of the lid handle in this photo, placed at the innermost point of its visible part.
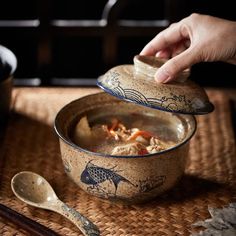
(148, 66)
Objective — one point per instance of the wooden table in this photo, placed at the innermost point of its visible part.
(31, 144)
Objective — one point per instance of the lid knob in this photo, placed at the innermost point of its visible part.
(148, 66)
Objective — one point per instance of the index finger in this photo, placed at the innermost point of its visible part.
(166, 38)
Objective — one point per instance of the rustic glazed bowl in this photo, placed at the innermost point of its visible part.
(129, 179)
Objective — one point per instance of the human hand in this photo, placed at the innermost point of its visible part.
(197, 38)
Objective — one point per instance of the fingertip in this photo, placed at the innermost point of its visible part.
(142, 53)
(149, 50)
(161, 76)
(164, 54)
(169, 79)
(145, 51)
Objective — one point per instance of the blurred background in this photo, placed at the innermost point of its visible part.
(72, 42)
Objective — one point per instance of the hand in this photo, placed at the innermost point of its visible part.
(197, 38)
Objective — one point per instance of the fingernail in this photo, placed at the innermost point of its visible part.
(161, 76)
(142, 52)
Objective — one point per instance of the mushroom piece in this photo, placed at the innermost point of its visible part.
(83, 133)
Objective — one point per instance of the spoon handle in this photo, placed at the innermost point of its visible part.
(83, 223)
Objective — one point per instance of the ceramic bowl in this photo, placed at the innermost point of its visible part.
(127, 179)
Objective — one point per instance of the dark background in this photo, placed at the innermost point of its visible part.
(78, 50)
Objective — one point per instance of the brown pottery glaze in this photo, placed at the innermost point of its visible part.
(128, 179)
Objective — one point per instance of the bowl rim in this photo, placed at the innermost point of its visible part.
(70, 143)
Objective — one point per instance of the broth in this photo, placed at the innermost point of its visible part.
(98, 136)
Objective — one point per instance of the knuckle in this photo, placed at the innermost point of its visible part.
(184, 29)
(172, 25)
(194, 16)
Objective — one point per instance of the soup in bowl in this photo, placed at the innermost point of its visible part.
(121, 151)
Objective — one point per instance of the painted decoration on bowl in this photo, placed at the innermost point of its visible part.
(95, 176)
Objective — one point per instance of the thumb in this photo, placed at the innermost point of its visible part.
(175, 65)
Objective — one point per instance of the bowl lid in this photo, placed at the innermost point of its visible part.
(135, 83)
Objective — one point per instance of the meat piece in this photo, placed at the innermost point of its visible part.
(118, 131)
(155, 148)
(155, 141)
(157, 145)
(128, 149)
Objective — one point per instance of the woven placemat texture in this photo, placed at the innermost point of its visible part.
(31, 144)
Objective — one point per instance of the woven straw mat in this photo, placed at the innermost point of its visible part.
(31, 144)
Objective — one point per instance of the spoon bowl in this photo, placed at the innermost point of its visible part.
(34, 190)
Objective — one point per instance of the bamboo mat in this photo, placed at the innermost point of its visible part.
(31, 144)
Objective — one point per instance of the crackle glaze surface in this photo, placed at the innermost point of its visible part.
(137, 84)
(127, 179)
